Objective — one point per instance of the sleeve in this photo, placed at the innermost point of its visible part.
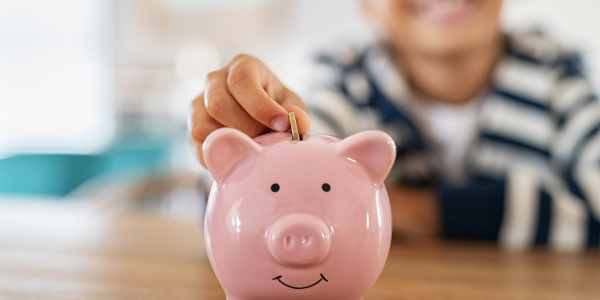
(558, 207)
(576, 154)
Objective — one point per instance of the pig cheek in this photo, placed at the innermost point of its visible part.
(355, 215)
(251, 213)
(352, 195)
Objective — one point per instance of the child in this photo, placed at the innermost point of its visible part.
(497, 135)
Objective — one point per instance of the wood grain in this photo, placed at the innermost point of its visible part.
(70, 251)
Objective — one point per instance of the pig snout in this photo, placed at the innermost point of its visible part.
(299, 239)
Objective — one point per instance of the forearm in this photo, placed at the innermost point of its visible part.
(415, 211)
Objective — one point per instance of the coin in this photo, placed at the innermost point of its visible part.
(295, 135)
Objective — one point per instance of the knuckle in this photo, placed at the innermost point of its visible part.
(199, 100)
(259, 111)
(199, 132)
(243, 58)
(237, 79)
(255, 107)
(215, 76)
(216, 105)
(212, 75)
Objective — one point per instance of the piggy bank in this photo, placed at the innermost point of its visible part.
(305, 219)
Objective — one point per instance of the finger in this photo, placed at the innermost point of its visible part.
(223, 108)
(196, 149)
(201, 124)
(247, 82)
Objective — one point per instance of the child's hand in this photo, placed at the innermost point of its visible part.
(246, 96)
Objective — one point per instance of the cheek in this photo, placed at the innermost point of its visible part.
(495, 6)
(396, 10)
(490, 13)
(386, 17)
(396, 18)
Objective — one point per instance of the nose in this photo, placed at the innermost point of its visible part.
(299, 240)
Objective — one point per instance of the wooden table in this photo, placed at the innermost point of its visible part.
(51, 250)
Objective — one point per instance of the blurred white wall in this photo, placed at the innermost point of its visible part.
(56, 76)
(166, 47)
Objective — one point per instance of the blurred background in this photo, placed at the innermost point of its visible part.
(94, 94)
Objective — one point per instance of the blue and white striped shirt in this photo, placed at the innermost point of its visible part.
(534, 167)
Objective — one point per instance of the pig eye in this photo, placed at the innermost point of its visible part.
(326, 187)
(275, 187)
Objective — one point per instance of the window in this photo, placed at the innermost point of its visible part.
(56, 82)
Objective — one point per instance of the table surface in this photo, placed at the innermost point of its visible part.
(51, 250)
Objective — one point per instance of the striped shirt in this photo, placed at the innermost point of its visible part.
(533, 167)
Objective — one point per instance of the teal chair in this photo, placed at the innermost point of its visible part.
(58, 174)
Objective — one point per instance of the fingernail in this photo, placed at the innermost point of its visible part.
(280, 123)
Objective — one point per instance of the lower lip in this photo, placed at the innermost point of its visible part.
(466, 12)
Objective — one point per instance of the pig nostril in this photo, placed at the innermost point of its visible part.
(288, 242)
(305, 239)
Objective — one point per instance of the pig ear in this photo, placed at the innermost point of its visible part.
(224, 149)
(374, 150)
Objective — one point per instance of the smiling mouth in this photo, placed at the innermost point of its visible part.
(300, 288)
(444, 11)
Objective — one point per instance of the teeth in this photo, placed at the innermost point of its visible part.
(446, 7)
(442, 8)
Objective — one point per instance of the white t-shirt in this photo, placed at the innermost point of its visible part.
(450, 129)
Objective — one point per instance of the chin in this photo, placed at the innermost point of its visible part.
(450, 45)
(445, 27)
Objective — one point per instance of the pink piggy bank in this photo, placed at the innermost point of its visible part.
(305, 219)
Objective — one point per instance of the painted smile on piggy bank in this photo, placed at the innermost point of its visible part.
(282, 211)
(300, 288)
